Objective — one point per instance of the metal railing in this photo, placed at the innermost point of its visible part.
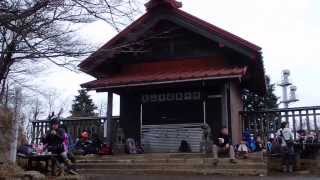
(264, 123)
(74, 126)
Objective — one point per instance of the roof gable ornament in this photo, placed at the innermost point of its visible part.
(157, 3)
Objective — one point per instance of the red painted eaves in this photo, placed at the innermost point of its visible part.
(166, 71)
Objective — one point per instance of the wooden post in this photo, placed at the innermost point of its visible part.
(141, 122)
(308, 121)
(294, 124)
(33, 133)
(315, 121)
(204, 112)
(287, 116)
(41, 129)
(46, 125)
(108, 122)
(300, 120)
(229, 120)
(37, 133)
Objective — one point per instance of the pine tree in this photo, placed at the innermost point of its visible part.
(83, 105)
(255, 102)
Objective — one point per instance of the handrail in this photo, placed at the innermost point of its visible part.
(75, 119)
(264, 122)
(285, 109)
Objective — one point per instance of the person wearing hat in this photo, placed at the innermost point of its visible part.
(285, 139)
(53, 141)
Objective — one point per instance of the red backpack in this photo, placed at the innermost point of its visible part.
(105, 150)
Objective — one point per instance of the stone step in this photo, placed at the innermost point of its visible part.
(118, 160)
(252, 156)
(149, 158)
(169, 164)
(149, 155)
(207, 171)
(227, 165)
(163, 160)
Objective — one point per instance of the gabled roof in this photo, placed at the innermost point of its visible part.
(171, 9)
(158, 10)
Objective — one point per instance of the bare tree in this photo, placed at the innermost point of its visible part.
(102, 108)
(32, 31)
(51, 98)
(34, 111)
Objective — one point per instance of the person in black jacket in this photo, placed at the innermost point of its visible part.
(222, 145)
(53, 141)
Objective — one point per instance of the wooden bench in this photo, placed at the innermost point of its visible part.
(38, 158)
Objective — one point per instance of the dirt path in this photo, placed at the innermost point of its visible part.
(154, 177)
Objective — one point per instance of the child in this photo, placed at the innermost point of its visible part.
(243, 150)
(251, 143)
(259, 144)
(131, 146)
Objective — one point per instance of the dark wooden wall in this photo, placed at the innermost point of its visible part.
(176, 112)
(167, 41)
(130, 115)
(214, 115)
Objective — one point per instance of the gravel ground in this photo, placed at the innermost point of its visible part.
(154, 177)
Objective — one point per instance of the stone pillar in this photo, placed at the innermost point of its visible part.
(108, 122)
(14, 142)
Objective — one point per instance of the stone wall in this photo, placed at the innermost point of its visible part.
(310, 166)
(5, 134)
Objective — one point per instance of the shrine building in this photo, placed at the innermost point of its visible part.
(173, 73)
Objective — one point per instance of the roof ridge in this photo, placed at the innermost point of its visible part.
(189, 17)
(155, 3)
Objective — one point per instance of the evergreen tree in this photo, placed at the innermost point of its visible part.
(255, 102)
(83, 105)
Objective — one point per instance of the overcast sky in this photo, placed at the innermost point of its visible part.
(287, 30)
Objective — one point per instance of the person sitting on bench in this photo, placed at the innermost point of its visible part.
(223, 145)
(53, 141)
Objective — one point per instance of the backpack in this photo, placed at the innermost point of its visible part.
(25, 149)
(105, 150)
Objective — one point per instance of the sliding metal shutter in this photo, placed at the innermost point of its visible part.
(167, 137)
